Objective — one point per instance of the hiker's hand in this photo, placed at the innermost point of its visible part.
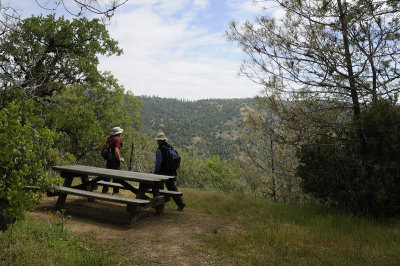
(122, 159)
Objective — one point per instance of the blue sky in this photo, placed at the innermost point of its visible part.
(176, 48)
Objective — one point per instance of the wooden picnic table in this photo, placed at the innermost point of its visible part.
(148, 183)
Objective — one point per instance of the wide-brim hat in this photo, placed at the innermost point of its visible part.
(161, 136)
(116, 131)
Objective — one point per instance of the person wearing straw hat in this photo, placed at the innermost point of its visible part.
(162, 169)
(114, 161)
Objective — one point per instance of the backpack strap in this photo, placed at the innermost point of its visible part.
(111, 142)
(163, 148)
(111, 147)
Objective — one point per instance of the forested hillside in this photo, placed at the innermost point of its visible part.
(325, 128)
(211, 126)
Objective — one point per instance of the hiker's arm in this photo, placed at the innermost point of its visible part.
(118, 155)
(159, 158)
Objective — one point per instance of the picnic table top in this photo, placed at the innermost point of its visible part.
(117, 174)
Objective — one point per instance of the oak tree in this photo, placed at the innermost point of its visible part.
(42, 55)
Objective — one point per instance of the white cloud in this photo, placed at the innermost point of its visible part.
(166, 55)
(172, 49)
(242, 10)
(201, 3)
(169, 8)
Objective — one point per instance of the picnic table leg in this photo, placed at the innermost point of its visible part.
(85, 181)
(160, 209)
(62, 197)
(133, 211)
(141, 192)
(159, 206)
(89, 187)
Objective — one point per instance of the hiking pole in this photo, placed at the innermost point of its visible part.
(125, 164)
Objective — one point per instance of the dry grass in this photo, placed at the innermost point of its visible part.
(250, 232)
(280, 234)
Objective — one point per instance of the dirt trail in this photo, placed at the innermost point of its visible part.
(170, 239)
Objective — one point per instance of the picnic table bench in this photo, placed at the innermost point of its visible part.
(167, 193)
(148, 183)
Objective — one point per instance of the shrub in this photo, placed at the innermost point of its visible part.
(361, 174)
(25, 155)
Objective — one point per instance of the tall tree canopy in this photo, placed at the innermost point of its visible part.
(44, 54)
(84, 115)
(331, 74)
(40, 58)
(324, 49)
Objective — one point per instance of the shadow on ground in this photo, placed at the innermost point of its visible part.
(173, 238)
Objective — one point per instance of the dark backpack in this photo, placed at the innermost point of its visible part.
(106, 150)
(173, 160)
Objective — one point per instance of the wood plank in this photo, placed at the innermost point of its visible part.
(105, 197)
(166, 192)
(110, 184)
(162, 191)
(86, 169)
(117, 174)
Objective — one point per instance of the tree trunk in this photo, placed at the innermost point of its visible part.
(349, 64)
(131, 156)
(273, 170)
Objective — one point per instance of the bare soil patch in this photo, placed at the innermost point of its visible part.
(169, 239)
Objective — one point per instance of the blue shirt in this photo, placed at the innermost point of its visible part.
(159, 159)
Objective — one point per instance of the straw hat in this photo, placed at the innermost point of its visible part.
(161, 136)
(116, 131)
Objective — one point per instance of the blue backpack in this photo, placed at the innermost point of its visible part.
(173, 160)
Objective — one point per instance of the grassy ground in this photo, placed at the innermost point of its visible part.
(35, 243)
(263, 233)
(280, 234)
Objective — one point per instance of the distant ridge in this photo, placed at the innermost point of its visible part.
(210, 126)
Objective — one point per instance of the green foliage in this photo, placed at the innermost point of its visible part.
(139, 153)
(211, 173)
(26, 154)
(85, 114)
(44, 54)
(211, 126)
(214, 149)
(270, 157)
(362, 175)
(40, 57)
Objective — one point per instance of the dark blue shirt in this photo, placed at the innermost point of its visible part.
(159, 160)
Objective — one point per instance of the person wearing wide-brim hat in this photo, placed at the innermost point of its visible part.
(162, 169)
(114, 159)
(161, 136)
(117, 131)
